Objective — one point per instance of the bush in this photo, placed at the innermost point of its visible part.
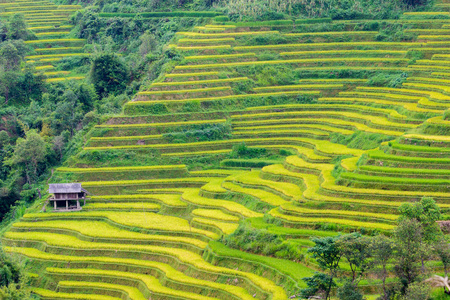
(349, 292)
(241, 150)
(262, 242)
(447, 114)
(387, 80)
(417, 291)
(207, 132)
(108, 74)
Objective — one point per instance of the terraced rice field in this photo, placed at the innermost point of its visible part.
(151, 227)
(50, 24)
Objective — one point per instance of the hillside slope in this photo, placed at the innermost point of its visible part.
(279, 124)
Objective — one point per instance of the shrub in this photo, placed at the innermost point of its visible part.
(108, 74)
(349, 292)
(241, 150)
(447, 115)
(260, 241)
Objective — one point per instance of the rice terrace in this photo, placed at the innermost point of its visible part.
(225, 149)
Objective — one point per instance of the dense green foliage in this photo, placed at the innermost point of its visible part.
(407, 251)
(215, 136)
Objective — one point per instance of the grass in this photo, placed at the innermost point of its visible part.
(145, 181)
(198, 82)
(414, 148)
(328, 183)
(406, 171)
(99, 229)
(163, 124)
(344, 52)
(215, 47)
(145, 220)
(121, 169)
(293, 61)
(295, 271)
(47, 294)
(192, 196)
(260, 194)
(289, 132)
(123, 206)
(364, 98)
(291, 127)
(222, 56)
(151, 283)
(305, 220)
(167, 199)
(359, 121)
(291, 208)
(333, 33)
(56, 41)
(252, 178)
(404, 45)
(215, 35)
(214, 214)
(291, 232)
(225, 227)
(176, 75)
(182, 255)
(130, 292)
(423, 137)
(220, 98)
(169, 271)
(395, 180)
(378, 154)
(202, 41)
(65, 78)
(299, 86)
(202, 90)
(56, 55)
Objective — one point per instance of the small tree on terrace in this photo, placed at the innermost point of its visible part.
(427, 213)
(355, 248)
(327, 254)
(442, 249)
(382, 249)
(28, 153)
(409, 248)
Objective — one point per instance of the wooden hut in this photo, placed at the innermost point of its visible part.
(67, 196)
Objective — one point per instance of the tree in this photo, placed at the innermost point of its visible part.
(382, 249)
(409, 248)
(327, 254)
(4, 138)
(67, 114)
(417, 291)
(427, 213)
(10, 57)
(86, 96)
(108, 74)
(8, 83)
(317, 285)
(17, 28)
(355, 249)
(29, 152)
(148, 44)
(442, 249)
(415, 2)
(58, 146)
(349, 292)
(12, 280)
